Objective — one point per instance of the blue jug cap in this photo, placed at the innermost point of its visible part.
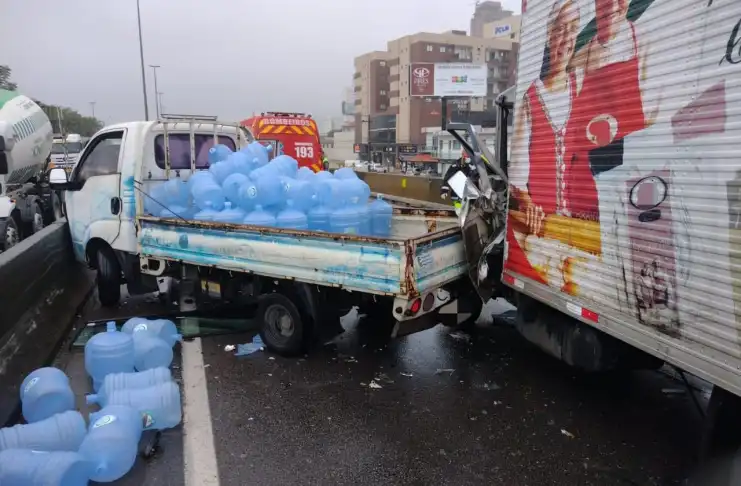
(110, 326)
(178, 337)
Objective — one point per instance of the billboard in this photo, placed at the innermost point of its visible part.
(447, 79)
(502, 30)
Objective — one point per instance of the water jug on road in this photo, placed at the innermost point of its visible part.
(112, 442)
(61, 432)
(159, 404)
(129, 381)
(162, 328)
(46, 392)
(151, 352)
(23, 467)
(109, 352)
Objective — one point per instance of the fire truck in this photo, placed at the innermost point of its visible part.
(293, 134)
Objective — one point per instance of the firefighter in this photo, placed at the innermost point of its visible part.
(325, 162)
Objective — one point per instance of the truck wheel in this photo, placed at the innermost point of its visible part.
(109, 277)
(56, 212)
(281, 327)
(37, 220)
(9, 236)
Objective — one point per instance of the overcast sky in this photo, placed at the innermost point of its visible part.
(218, 57)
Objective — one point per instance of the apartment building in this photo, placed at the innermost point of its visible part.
(487, 12)
(384, 109)
(507, 28)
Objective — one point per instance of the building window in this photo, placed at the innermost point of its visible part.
(382, 92)
(382, 107)
(382, 63)
(456, 145)
(442, 48)
(512, 36)
(429, 48)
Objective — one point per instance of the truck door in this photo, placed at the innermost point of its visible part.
(93, 199)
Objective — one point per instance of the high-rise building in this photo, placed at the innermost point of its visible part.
(487, 12)
(384, 107)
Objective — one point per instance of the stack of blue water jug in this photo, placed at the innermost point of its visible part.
(135, 390)
(244, 188)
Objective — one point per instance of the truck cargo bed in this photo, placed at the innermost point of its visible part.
(424, 252)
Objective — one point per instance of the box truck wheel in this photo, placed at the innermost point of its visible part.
(109, 277)
(9, 234)
(281, 327)
(37, 220)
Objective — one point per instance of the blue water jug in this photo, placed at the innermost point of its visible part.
(207, 191)
(61, 432)
(345, 219)
(260, 217)
(46, 392)
(199, 175)
(177, 212)
(270, 192)
(112, 442)
(109, 352)
(291, 218)
(305, 174)
(222, 170)
(155, 200)
(177, 192)
(300, 192)
(323, 175)
(23, 467)
(217, 153)
(331, 193)
(365, 219)
(128, 381)
(231, 187)
(229, 214)
(318, 218)
(345, 173)
(159, 404)
(207, 214)
(284, 165)
(259, 152)
(151, 352)
(381, 214)
(241, 163)
(161, 328)
(356, 190)
(247, 196)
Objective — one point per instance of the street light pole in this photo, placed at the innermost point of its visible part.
(156, 92)
(92, 106)
(159, 97)
(141, 58)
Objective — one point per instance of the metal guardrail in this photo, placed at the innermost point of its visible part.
(41, 290)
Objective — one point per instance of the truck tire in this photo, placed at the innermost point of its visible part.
(9, 234)
(281, 327)
(56, 212)
(37, 222)
(109, 277)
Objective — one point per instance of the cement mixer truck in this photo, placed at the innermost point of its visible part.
(27, 204)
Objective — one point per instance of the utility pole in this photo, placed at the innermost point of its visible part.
(156, 92)
(159, 98)
(92, 107)
(141, 59)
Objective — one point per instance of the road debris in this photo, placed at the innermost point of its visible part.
(383, 377)
(440, 371)
(374, 385)
(408, 375)
(460, 336)
(568, 434)
(250, 348)
(229, 348)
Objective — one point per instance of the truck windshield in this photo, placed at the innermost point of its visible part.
(58, 148)
(74, 147)
(66, 148)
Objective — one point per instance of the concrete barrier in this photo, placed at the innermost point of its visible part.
(407, 186)
(41, 290)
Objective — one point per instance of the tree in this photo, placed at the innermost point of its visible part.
(5, 82)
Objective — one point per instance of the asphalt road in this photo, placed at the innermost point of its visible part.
(428, 409)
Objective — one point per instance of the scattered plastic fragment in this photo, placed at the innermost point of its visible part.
(249, 348)
(408, 375)
(568, 434)
(374, 385)
(229, 347)
(440, 371)
(460, 336)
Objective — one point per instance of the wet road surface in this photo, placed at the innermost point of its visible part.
(426, 409)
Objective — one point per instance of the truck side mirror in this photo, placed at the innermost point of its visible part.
(57, 175)
(3, 163)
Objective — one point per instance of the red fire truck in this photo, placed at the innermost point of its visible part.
(293, 134)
